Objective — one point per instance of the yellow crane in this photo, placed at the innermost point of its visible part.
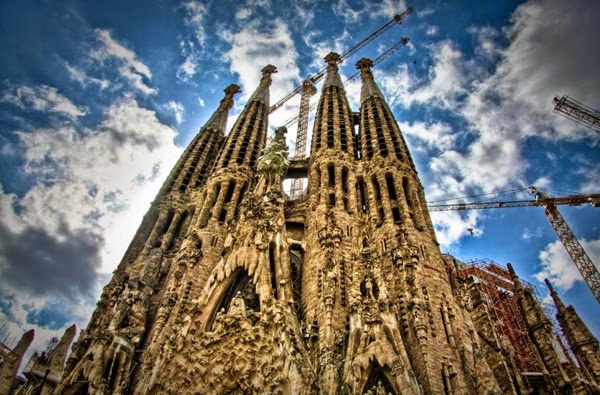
(582, 261)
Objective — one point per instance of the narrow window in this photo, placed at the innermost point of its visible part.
(318, 183)
(229, 193)
(222, 215)
(389, 181)
(361, 194)
(345, 179)
(272, 266)
(331, 173)
(376, 189)
(406, 186)
(177, 232)
(331, 199)
(239, 200)
(396, 214)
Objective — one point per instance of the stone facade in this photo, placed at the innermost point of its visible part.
(229, 287)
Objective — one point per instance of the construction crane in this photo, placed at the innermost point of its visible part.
(578, 112)
(321, 73)
(307, 89)
(376, 61)
(586, 267)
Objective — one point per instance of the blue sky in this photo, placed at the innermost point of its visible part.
(98, 100)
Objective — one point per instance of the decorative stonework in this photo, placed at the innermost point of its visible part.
(229, 288)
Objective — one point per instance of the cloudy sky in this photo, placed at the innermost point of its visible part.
(98, 100)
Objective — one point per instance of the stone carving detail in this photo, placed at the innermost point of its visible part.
(207, 301)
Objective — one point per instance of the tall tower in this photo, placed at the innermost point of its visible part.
(230, 287)
(583, 344)
(12, 360)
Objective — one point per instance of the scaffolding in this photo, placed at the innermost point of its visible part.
(496, 286)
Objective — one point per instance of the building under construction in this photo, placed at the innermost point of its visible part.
(496, 298)
(231, 287)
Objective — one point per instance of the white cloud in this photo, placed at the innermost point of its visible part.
(94, 186)
(84, 79)
(201, 102)
(587, 171)
(558, 267)
(130, 67)
(177, 109)
(42, 98)
(96, 172)
(432, 30)
(243, 13)
(368, 10)
(188, 68)
(531, 234)
(257, 45)
(451, 226)
(195, 14)
(436, 135)
(508, 105)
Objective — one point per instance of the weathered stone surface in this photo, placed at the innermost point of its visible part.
(228, 288)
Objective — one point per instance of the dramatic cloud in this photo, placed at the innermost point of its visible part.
(89, 181)
(129, 66)
(64, 236)
(195, 12)
(437, 135)
(84, 79)
(42, 98)
(558, 267)
(257, 45)
(177, 109)
(451, 226)
(501, 106)
(368, 10)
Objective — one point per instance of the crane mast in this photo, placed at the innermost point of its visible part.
(582, 261)
(307, 89)
(404, 41)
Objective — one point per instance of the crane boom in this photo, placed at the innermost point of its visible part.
(321, 73)
(582, 261)
(573, 200)
(578, 112)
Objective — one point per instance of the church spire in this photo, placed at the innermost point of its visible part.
(582, 342)
(218, 120)
(369, 86)
(261, 93)
(560, 306)
(333, 75)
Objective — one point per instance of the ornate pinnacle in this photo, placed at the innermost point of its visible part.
(364, 65)
(227, 102)
(266, 74)
(332, 59)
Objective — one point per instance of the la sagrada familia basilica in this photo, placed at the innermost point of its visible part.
(231, 287)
